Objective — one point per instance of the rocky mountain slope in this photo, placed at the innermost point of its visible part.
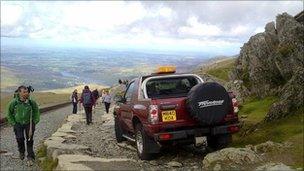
(272, 64)
(267, 78)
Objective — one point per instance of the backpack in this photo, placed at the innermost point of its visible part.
(87, 98)
(74, 96)
(96, 94)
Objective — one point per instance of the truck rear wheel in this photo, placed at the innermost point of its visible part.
(218, 142)
(143, 143)
(118, 131)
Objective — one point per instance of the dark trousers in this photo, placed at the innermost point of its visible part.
(88, 112)
(19, 132)
(107, 106)
(74, 108)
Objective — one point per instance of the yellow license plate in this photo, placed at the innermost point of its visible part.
(169, 115)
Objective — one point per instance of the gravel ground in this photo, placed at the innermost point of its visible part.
(49, 123)
(101, 139)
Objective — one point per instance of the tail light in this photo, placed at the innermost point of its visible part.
(235, 105)
(165, 136)
(233, 129)
(153, 114)
(232, 115)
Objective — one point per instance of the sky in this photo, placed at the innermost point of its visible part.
(216, 27)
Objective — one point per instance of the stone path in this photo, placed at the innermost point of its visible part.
(95, 148)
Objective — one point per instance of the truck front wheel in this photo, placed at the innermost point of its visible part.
(118, 131)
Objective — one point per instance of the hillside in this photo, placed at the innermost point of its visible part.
(217, 69)
(9, 78)
(42, 98)
(79, 88)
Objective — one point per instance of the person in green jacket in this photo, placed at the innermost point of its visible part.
(23, 113)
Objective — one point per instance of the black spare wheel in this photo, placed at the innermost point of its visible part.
(208, 103)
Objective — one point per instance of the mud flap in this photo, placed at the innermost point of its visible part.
(154, 146)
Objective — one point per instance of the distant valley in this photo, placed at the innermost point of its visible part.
(53, 68)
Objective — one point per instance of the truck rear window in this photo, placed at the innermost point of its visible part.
(170, 87)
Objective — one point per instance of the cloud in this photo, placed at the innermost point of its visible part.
(102, 16)
(11, 14)
(195, 25)
(239, 30)
(195, 28)
(259, 30)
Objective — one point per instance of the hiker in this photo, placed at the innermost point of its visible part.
(74, 99)
(100, 101)
(23, 113)
(107, 101)
(88, 101)
(95, 94)
(103, 95)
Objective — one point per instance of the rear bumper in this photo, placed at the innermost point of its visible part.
(184, 134)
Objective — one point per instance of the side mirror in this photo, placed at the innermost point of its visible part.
(119, 99)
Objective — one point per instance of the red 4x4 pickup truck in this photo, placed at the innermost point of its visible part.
(167, 108)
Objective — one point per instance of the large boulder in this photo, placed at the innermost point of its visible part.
(249, 158)
(230, 157)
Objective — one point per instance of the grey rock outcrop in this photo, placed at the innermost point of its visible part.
(233, 156)
(272, 63)
(269, 146)
(274, 167)
(252, 157)
(238, 88)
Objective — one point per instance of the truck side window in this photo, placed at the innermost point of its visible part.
(128, 95)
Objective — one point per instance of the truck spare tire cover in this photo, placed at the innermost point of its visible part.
(208, 103)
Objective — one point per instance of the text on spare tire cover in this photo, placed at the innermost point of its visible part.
(208, 103)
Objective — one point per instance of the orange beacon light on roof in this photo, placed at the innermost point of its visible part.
(165, 69)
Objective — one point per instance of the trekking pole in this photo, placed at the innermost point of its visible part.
(31, 125)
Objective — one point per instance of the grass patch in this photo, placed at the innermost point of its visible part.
(42, 151)
(277, 131)
(50, 98)
(48, 163)
(256, 109)
(8, 78)
(221, 70)
(286, 129)
(296, 152)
